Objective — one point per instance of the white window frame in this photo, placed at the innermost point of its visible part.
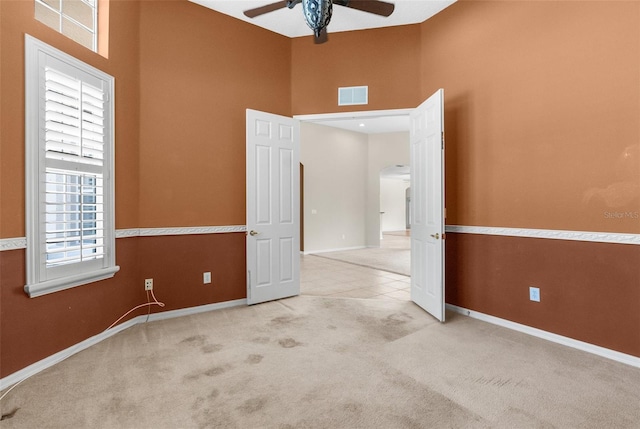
(94, 12)
(43, 279)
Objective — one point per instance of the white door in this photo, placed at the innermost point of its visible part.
(427, 205)
(273, 207)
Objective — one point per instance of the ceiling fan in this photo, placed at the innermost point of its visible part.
(317, 13)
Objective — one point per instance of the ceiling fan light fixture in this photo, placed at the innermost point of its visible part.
(317, 14)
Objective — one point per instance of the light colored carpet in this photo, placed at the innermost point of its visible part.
(314, 362)
(394, 260)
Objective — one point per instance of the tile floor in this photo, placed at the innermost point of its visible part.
(326, 277)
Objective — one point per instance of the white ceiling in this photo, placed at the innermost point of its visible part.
(396, 172)
(368, 125)
(290, 22)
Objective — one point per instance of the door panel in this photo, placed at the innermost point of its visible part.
(427, 205)
(273, 200)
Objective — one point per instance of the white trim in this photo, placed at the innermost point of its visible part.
(553, 234)
(40, 277)
(598, 237)
(545, 335)
(13, 243)
(313, 252)
(185, 230)
(195, 310)
(47, 362)
(146, 232)
(354, 115)
(21, 242)
(124, 233)
(56, 285)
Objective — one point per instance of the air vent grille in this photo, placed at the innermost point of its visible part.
(353, 95)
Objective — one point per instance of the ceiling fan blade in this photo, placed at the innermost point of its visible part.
(322, 37)
(381, 8)
(252, 13)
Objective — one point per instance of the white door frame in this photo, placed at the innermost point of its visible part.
(367, 114)
(362, 114)
(354, 115)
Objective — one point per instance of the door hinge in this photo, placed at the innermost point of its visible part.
(443, 140)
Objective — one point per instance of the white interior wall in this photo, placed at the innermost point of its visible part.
(384, 150)
(393, 203)
(335, 171)
(342, 184)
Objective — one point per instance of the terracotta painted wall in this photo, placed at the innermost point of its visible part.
(542, 120)
(542, 112)
(200, 73)
(385, 59)
(36, 328)
(184, 76)
(17, 19)
(589, 291)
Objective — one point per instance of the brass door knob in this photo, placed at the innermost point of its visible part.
(252, 233)
(436, 235)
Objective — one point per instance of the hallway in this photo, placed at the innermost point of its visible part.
(379, 273)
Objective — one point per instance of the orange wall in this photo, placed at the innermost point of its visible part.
(184, 77)
(200, 73)
(18, 19)
(542, 118)
(542, 122)
(588, 291)
(33, 329)
(542, 112)
(385, 59)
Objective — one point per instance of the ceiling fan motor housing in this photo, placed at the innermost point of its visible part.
(317, 13)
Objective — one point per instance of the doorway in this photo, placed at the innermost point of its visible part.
(426, 133)
(395, 236)
(342, 207)
(381, 153)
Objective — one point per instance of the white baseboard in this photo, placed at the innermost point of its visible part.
(313, 252)
(195, 310)
(566, 341)
(70, 351)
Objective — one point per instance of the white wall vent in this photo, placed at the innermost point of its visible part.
(353, 95)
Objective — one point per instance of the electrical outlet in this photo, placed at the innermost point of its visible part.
(148, 284)
(206, 278)
(534, 294)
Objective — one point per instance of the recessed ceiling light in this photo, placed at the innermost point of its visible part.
(362, 125)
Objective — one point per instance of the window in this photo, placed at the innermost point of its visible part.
(76, 19)
(69, 170)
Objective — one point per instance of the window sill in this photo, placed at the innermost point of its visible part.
(55, 285)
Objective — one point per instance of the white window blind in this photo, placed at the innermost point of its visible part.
(74, 133)
(69, 130)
